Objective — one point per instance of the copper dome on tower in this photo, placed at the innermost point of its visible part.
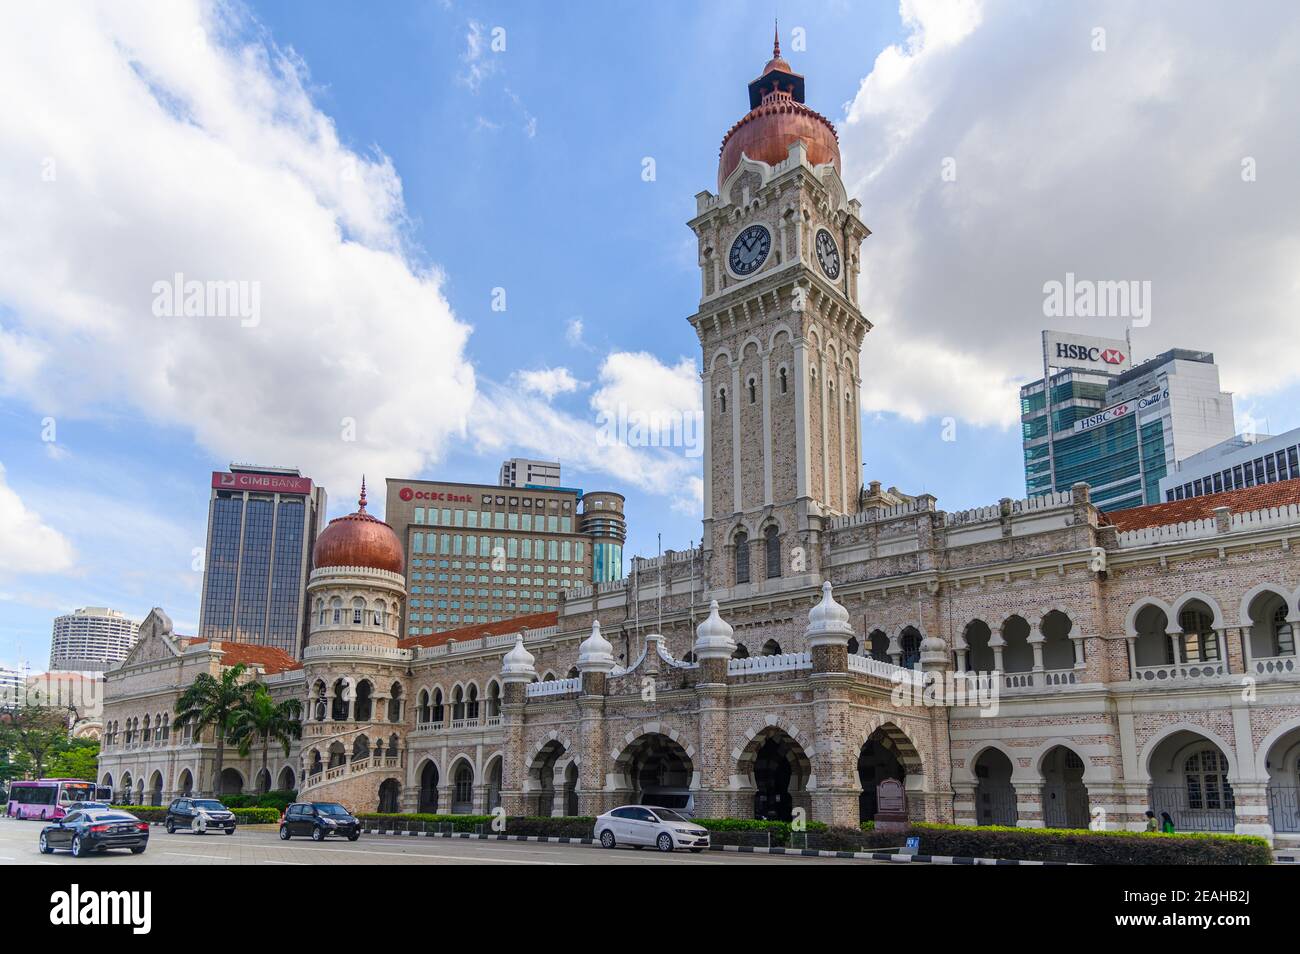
(358, 539)
(777, 117)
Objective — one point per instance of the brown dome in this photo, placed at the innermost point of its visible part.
(776, 118)
(358, 539)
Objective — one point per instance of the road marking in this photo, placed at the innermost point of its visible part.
(272, 861)
(186, 854)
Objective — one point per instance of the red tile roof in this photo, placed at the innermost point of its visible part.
(1282, 493)
(268, 658)
(513, 625)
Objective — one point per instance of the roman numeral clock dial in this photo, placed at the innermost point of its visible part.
(828, 254)
(749, 250)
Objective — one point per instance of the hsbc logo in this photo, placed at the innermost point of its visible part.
(1078, 352)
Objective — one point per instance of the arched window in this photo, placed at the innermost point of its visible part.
(771, 648)
(742, 557)
(1200, 641)
(320, 612)
(336, 605)
(781, 379)
(772, 541)
(753, 391)
(853, 645)
(740, 652)
(722, 399)
(1283, 634)
(471, 709)
(438, 714)
(493, 699)
(1206, 776)
(463, 794)
(358, 607)
(395, 703)
(422, 707)
(911, 646)
(457, 704)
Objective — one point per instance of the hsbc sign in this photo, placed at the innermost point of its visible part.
(1123, 409)
(1085, 352)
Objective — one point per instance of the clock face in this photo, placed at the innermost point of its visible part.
(828, 254)
(749, 250)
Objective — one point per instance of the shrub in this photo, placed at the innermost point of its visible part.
(426, 822)
(569, 826)
(777, 831)
(256, 816)
(1090, 847)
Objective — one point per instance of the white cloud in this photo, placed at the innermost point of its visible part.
(478, 59)
(548, 382)
(630, 383)
(166, 141)
(27, 543)
(1116, 165)
(639, 382)
(573, 332)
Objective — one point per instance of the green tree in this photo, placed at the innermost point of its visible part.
(30, 733)
(213, 702)
(262, 720)
(76, 758)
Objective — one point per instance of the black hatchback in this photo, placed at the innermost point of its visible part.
(319, 820)
(94, 830)
(199, 815)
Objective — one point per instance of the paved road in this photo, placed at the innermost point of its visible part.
(263, 847)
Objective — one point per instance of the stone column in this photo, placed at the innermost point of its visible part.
(997, 643)
(1251, 800)
(595, 663)
(517, 671)
(835, 798)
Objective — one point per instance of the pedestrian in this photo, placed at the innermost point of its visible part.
(1166, 823)
(1151, 821)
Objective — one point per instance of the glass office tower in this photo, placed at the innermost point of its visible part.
(262, 525)
(1122, 433)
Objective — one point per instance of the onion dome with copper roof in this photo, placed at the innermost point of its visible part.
(777, 117)
(358, 539)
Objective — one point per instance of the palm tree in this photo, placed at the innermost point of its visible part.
(262, 718)
(213, 702)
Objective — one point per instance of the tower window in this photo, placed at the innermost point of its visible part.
(780, 374)
(722, 399)
(742, 557)
(772, 540)
(753, 391)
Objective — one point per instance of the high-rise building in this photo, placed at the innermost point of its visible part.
(1246, 460)
(1121, 432)
(522, 472)
(481, 553)
(91, 639)
(262, 524)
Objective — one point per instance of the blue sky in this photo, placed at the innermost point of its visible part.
(380, 171)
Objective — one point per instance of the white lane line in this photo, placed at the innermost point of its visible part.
(436, 857)
(185, 854)
(7, 858)
(271, 861)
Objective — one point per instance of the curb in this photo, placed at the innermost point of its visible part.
(740, 849)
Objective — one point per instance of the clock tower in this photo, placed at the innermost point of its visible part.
(780, 333)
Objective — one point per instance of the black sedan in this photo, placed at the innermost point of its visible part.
(319, 820)
(199, 815)
(94, 830)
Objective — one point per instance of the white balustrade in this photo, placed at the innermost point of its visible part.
(785, 662)
(553, 687)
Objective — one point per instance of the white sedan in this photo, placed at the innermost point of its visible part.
(641, 825)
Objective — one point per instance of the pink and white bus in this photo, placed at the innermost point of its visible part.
(47, 798)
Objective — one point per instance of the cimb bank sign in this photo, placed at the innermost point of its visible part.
(78, 908)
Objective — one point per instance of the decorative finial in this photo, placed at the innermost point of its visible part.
(361, 501)
(776, 38)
